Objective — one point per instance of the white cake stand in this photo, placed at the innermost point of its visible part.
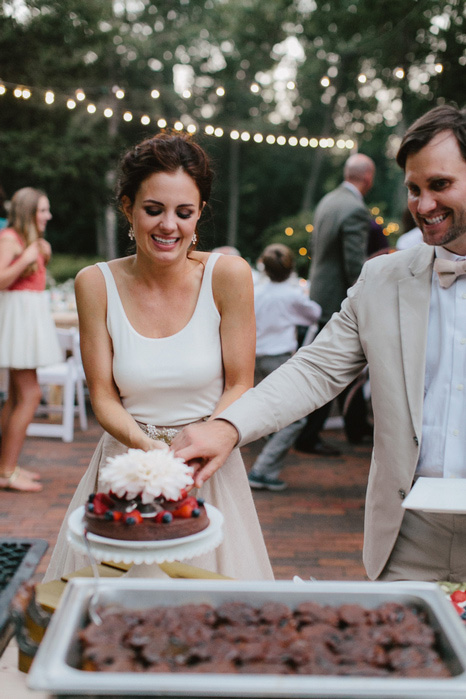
(139, 552)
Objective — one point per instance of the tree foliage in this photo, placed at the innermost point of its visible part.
(355, 68)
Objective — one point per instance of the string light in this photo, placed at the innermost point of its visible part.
(23, 92)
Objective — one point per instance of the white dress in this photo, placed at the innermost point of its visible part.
(28, 337)
(192, 361)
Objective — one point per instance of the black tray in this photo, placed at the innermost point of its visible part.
(19, 559)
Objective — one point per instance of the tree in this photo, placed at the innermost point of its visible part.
(351, 68)
(373, 83)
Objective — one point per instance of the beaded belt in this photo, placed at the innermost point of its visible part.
(163, 434)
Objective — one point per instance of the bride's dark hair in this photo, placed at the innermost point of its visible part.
(165, 152)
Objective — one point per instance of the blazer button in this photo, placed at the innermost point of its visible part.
(416, 441)
(402, 493)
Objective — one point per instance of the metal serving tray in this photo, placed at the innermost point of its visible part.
(55, 666)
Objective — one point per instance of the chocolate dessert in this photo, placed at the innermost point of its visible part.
(394, 640)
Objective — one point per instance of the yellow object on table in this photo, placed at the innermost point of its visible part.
(48, 594)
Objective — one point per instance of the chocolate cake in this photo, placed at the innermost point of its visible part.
(131, 520)
(394, 640)
(144, 498)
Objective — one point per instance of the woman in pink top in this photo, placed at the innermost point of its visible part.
(27, 332)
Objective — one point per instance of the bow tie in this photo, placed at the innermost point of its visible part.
(448, 270)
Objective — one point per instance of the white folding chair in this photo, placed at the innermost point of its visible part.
(69, 375)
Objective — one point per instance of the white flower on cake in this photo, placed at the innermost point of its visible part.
(150, 474)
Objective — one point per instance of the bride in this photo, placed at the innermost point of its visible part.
(168, 339)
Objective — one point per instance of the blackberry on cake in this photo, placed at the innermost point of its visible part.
(143, 496)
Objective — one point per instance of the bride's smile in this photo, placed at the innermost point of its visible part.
(164, 215)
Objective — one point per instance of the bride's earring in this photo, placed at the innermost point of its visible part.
(131, 233)
(194, 240)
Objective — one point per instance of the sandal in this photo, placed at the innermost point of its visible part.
(19, 481)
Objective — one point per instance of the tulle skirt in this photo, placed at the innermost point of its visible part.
(241, 555)
(28, 338)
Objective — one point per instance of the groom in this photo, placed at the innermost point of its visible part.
(407, 321)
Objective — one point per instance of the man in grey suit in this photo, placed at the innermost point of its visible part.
(339, 241)
(406, 318)
(339, 244)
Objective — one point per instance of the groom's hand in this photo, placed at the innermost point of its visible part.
(205, 446)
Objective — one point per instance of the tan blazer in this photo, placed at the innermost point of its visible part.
(382, 322)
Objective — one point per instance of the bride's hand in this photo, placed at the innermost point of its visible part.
(157, 444)
(150, 444)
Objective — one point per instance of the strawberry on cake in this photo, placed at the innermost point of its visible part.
(143, 497)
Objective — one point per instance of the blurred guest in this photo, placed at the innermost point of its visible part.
(280, 306)
(342, 226)
(28, 338)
